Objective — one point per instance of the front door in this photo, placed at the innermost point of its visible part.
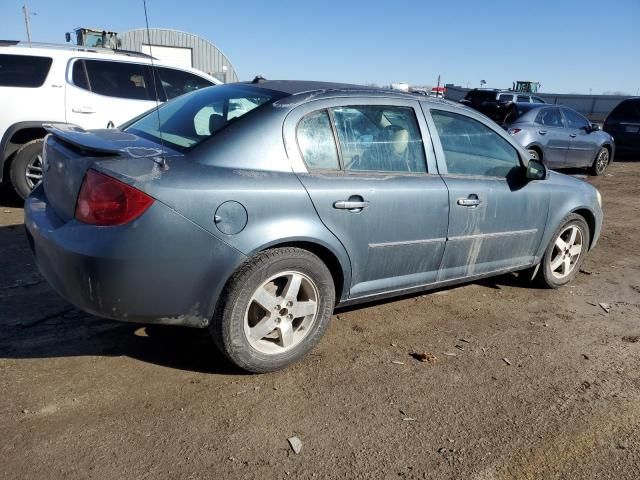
(582, 148)
(368, 175)
(496, 218)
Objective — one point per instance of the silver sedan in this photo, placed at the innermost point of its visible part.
(561, 137)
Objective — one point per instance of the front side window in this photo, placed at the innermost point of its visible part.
(506, 97)
(537, 100)
(379, 138)
(23, 70)
(316, 141)
(574, 119)
(550, 117)
(472, 148)
(192, 118)
(177, 82)
(120, 79)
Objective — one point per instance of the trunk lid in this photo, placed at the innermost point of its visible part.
(70, 151)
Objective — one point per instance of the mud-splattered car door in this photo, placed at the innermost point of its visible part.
(496, 216)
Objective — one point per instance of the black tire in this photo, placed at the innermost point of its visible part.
(22, 159)
(545, 275)
(601, 162)
(228, 325)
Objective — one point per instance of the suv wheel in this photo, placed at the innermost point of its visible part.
(26, 167)
(274, 310)
(565, 253)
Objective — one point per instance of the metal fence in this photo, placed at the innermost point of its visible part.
(594, 107)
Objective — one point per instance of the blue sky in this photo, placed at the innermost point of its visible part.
(567, 45)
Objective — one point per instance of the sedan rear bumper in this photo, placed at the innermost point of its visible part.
(160, 268)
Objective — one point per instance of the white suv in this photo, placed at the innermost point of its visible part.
(88, 87)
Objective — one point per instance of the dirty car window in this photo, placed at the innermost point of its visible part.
(192, 118)
(471, 148)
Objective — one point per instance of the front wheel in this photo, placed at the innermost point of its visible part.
(601, 162)
(274, 310)
(565, 253)
(533, 154)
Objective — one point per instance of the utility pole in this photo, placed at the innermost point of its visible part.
(27, 20)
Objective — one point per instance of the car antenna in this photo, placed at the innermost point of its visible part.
(163, 163)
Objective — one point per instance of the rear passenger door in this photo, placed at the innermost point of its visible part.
(496, 217)
(553, 137)
(100, 92)
(582, 146)
(370, 171)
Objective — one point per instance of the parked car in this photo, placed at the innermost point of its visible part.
(256, 225)
(623, 124)
(88, 87)
(497, 104)
(561, 138)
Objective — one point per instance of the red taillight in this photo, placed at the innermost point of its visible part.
(105, 201)
(513, 131)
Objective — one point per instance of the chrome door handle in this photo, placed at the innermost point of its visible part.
(469, 201)
(542, 132)
(350, 205)
(82, 110)
(572, 135)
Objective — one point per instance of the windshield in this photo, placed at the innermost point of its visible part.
(190, 119)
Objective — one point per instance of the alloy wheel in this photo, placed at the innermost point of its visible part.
(33, 171)
(567, 251)
(281, 312)
(602, 161)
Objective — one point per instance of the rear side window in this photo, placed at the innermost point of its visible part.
(550, 117)
(120, 79)
(316, 141)
(506, 97)
(537, 100)
(379, 138)
(574, 119)
(523, 99)
(472, 148)
(23, 70)
(627, 111)
(177, 82)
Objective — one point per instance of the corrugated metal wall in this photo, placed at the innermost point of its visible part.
(204, 55)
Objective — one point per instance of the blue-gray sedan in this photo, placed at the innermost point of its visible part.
(561, 138)
(255, 209)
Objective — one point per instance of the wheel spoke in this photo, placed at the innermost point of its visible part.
(34, 176)
(263, 328)
(561, 244)
(572, 238)
(265, 299)
(556, 263)
(292, 289)
(575, 250)
(566, 265)
(286, 334)
(302, 309)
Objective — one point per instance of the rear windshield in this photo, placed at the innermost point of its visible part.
(627, 111)
(23, 70)
(190, 119)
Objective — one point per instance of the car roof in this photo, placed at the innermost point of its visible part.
(329, 89)
(64, 51)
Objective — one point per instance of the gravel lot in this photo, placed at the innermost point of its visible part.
(527, 383)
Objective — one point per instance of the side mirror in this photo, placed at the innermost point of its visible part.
(536, 170)
(595, 127)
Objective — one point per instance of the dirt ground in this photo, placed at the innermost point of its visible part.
(528, 383)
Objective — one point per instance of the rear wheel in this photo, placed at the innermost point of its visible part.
(601, 162)
(275, 309)
(26, 167)
(565, 253)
